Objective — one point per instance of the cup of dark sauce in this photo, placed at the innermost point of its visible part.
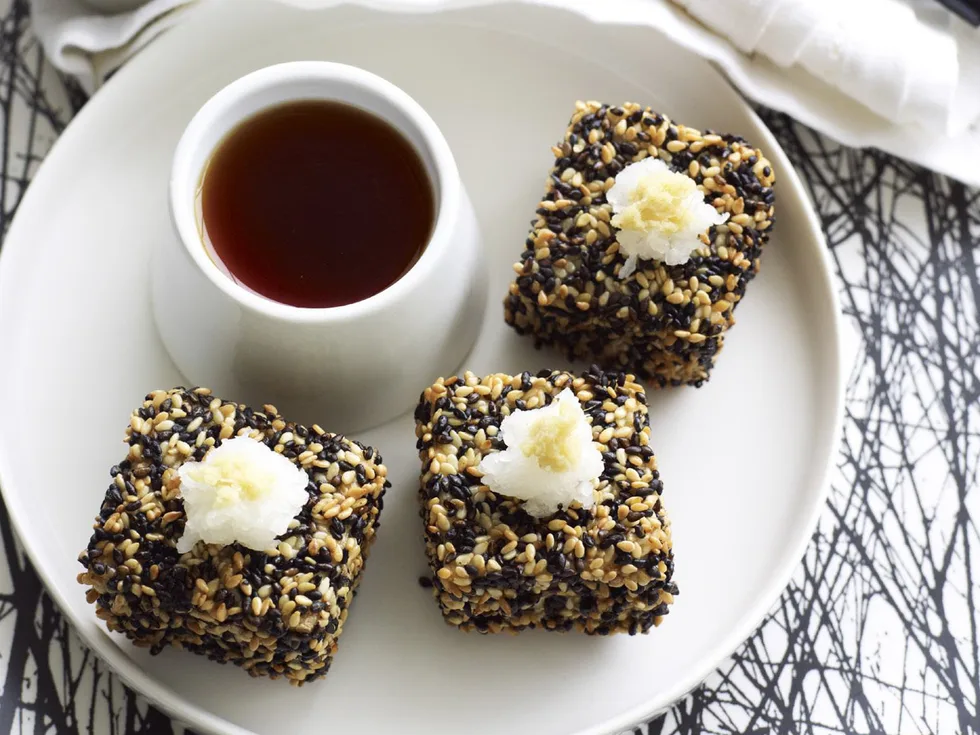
(327, 258)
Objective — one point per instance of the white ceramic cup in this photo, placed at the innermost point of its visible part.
(347, 367)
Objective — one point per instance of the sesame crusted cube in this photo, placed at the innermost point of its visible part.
(497, 568)
(275, 613)
(662, 323)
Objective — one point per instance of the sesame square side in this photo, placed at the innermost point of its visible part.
(496, 568)
(663, 323)
(277, 612)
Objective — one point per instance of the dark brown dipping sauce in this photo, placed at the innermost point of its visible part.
(316, 204)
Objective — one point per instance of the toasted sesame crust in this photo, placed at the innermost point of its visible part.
(662, 323)
(494, 567)
(274, 613)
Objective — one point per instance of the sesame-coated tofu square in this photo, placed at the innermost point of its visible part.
(493, 566)
(663, 323)
(276, 613)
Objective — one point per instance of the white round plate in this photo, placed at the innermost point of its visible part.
(744, 459)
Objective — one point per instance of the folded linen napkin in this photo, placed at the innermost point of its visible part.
(877, 52)
(90, 39)
(899, 75)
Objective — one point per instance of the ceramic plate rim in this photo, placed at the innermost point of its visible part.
(199, 717)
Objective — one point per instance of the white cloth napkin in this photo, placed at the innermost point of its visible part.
(899, 75)
(903, 66)
(87, 41)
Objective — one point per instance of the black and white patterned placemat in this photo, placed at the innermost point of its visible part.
(878, 631)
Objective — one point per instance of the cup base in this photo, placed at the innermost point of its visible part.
(241, 361)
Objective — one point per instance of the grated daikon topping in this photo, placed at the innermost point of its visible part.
(661, 214)
(550, 460)
(241, 491)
